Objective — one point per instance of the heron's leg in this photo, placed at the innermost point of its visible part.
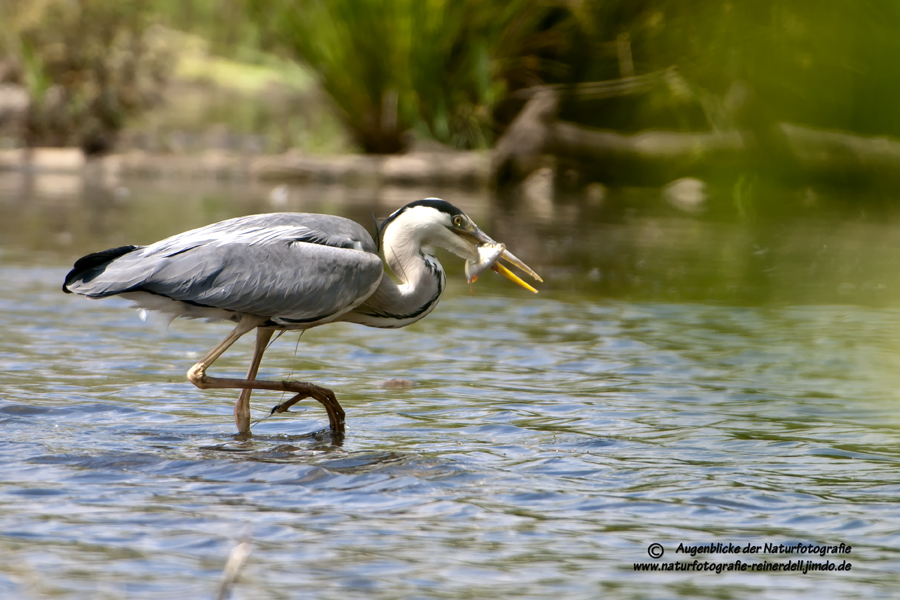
(302, 389)
(323, 395)
(197, 375)
(242, 406)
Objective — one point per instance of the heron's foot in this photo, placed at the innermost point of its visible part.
(197, 375)
(323, 395)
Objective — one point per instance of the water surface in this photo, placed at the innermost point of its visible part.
(678, 380)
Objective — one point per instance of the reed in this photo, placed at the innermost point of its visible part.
(434, 67)
(87, 66)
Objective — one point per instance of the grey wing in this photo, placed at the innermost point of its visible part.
(327, 230)
(294, 267)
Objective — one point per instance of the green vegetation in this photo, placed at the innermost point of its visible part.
(87, 66)
(750, 61)
(245, 100)
(438, 67)
(448, 70)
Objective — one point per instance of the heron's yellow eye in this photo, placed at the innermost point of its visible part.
(458, 220)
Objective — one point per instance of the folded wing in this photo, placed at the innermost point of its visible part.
(289, 267)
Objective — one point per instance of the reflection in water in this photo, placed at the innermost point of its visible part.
(547, 442)
(632, 247)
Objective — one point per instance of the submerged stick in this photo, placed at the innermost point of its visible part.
(234, 564)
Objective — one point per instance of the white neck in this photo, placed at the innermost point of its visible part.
(421, 278)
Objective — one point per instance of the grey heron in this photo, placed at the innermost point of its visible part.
(292, 271)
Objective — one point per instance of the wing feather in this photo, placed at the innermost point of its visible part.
(289, 266)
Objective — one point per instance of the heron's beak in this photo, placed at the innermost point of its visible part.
(489, 252)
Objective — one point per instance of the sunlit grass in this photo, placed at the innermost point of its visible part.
(437, 68)
(196, 63)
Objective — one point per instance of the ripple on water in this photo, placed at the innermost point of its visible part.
(544, 446)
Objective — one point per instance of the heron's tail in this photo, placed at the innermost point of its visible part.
(93, 262)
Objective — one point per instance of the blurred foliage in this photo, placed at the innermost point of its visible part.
(87, 65)
(215, 101)
(749, 63)
(448, 70)
(436, 67)
(223, 24)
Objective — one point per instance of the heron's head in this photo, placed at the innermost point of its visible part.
(436, 222)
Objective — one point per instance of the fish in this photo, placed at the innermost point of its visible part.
(488, 255)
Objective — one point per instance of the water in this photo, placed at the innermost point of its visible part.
(679, 380)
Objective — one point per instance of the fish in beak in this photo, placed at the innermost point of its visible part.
(489, 254)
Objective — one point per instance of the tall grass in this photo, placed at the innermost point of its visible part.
(832, 67)
(87, 65)
(435, 67)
